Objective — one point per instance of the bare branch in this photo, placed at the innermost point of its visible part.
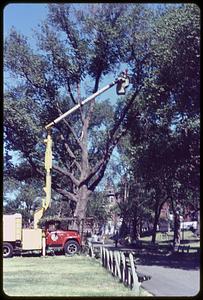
(70, 92)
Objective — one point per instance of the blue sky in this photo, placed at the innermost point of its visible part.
(23, 17)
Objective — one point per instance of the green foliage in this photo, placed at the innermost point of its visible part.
(78, 47)
(19, 122)
(62, 223)
(177, 55)
(24, 201)
(163, 145)
(98, 207)
(74, 47)
(106, 28)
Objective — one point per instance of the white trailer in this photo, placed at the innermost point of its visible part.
(17, 238)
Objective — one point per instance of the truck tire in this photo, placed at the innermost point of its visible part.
(7, 250)
(71, 247)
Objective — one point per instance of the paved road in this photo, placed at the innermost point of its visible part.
(168, 281)
(183, 279)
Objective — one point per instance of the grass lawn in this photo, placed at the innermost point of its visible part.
(187, 238)
(60, 276)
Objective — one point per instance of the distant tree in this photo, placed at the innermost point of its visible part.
(134, 202)
(97, 207)
(21, 199)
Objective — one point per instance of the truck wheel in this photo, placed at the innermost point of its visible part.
(71, 247)
(7, 250)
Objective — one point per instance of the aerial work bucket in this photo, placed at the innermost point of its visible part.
(123, 83)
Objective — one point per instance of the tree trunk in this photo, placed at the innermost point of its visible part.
(176, 231)
(123, 229)
(176, 236)
(81, 207)
(156, 220)
(158, 207)
(140, 226)
(135, 232)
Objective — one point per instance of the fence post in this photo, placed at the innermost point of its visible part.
(91, 250)
(111, 256)
(136, 284)
(104, 254)
(123, 259)
(108, 260)
(105, 261)
(101, 255)
(129, 277)
(116, 255)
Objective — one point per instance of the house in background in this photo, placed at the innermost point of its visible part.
(164, 218)
(164, 214)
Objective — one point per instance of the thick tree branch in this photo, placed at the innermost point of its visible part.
(111, 143)
(113, 138)
(90, 110)
(66, 173)
(69, 151)
(96, 85)
(92, 104)
(64, 193)
(98, 174)
(69, 127)
(122, 115)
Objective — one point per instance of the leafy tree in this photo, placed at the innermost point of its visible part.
(164, 128)
(134, 206)
(98, 207)
(23, 201)
(75, 48)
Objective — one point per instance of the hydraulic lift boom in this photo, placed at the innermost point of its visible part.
(122, 83)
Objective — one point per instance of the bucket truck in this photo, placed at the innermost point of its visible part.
(17, 238)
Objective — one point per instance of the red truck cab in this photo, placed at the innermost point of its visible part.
(67, 240)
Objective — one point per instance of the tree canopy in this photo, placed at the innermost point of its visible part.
(164, 141)
(156, 124)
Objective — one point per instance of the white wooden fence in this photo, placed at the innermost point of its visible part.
(120, 265)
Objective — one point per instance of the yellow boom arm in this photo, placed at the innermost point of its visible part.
(48, 166)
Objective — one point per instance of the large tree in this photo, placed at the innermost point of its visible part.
(164, 139)
(75, 50)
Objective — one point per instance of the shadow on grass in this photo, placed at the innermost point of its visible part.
(162, 256)
(186, 261)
